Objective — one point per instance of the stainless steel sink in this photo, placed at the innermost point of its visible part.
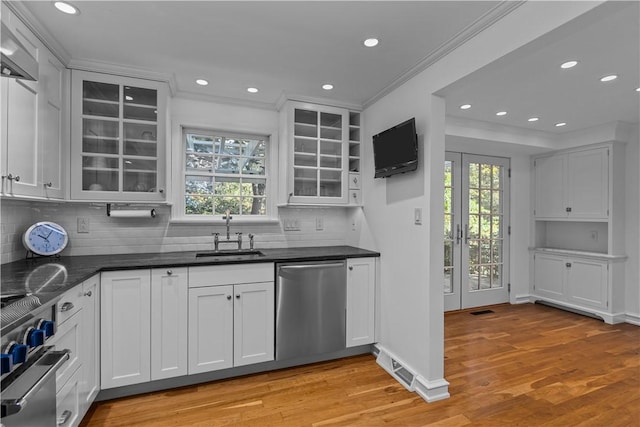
(230, 252)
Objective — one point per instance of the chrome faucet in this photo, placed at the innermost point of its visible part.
(216, 236)
(227, 217)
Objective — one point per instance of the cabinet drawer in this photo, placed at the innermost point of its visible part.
(69, 304)
(230, 274)
(68, 402)
(67, 337)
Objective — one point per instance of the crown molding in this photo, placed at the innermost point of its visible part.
(39, 30)
(225, 100)
(123, 70)
(467, 33)
(284, 97)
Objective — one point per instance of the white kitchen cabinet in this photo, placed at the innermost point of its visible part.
(210, 328)
(253, 323)
(90, 381)
(169, 297)
(69, 337)
(587, 283)
(361, 282)
(125, 327)
(32, 128)
(117, 138)
(572, 185)
(549, 274)
(231, 316)
(582, 282)
(322, 149)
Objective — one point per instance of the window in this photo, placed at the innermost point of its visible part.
(224, 171)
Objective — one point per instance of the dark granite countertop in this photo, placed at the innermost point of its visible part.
(49, 278)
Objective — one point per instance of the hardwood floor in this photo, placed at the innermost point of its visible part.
(525, 365)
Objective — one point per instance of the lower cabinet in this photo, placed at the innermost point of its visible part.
(578, 282)
(361, 286)
(230, 324)
(125, 328)
(77, 330)
(143, 326)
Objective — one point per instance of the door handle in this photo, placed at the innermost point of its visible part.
(299, 267)
(466, 234)
(458, 234)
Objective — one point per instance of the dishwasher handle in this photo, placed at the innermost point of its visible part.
(307, 266)
(13, 406)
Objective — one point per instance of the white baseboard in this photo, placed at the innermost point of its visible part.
(522, 299)
(430, 391)
(633, 318)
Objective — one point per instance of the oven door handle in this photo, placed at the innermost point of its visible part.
(54, 359)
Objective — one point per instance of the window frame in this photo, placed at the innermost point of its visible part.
(180, 170)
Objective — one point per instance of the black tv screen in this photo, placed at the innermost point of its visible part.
(396, 150)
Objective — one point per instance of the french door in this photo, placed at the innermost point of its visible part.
(476, 243)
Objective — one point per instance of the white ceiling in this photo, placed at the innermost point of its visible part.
(530, 83)
(293, 47)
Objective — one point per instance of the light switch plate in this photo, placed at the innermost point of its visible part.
(417, 216)
(319, 223)
(84, 225)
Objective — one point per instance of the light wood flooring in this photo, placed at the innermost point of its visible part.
(525, 365)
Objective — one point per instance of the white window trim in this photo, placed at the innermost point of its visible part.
(178, 171)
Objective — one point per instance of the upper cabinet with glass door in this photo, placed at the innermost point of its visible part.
(117, 138)
(317, 138)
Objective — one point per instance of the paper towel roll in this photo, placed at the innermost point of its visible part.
(133, 213)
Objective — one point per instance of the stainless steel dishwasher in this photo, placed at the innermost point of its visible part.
(310, 308)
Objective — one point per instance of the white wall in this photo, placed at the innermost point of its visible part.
(632, 229)
(411, 262)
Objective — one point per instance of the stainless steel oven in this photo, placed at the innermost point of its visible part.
(28, 365)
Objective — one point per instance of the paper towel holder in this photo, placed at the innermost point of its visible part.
(153, 211)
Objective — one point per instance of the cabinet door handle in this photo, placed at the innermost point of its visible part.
(237, 296)
(351, 268)
(66, 307)
(64, 417)
(568, 265)
(87, 294)
(169, 272)
(228, 297)
(48, 184)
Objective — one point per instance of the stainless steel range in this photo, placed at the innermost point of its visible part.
(28, 365)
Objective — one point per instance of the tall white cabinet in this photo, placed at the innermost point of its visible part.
(33, 117)
(578, 251)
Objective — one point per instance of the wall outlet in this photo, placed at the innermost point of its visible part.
(83, 224)
(291, 224)
(319, 223)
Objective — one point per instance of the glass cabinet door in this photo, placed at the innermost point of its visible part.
(318, 152)
(118, 129)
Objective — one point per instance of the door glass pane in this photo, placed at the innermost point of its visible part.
(140, 104)
(448, 280)
(305, 182)
(330, 183)
(100, 99)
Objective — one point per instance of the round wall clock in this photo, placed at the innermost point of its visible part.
(45, 238)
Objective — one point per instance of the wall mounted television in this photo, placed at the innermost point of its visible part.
(395, 150)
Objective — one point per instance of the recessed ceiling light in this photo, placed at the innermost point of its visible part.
(252, 89)
(609, 78)
(638, 89)
(202, 82)
(327, 86)
(371, 42)
(501, 113)
(569, 64)
(66, 8)
(533, 119)
(465, 106)
(559, 125)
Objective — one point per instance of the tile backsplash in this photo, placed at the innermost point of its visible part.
(108, 235)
